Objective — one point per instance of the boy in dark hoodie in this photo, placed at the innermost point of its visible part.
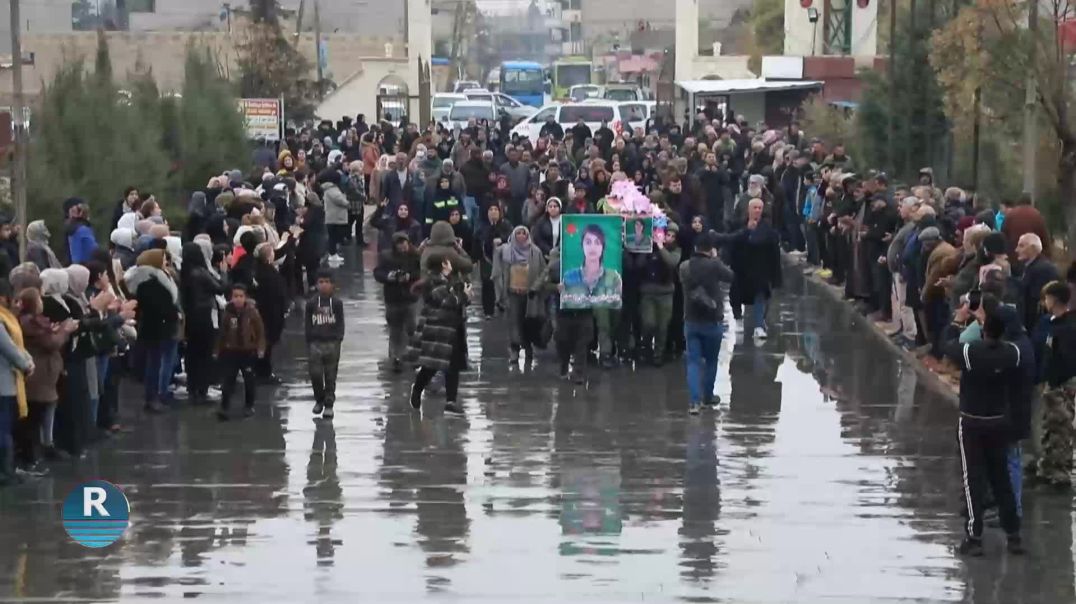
(324, 332)
(398, 270)
(241, 342)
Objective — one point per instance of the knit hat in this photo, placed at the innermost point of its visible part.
(672, 228)
(930, 234)
(994, 244)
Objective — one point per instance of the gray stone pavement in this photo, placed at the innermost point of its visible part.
(827, 475)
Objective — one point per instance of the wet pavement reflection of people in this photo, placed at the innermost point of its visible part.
(322, 502)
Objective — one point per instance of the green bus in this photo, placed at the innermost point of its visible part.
(571, 71)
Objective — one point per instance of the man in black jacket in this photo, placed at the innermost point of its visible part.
(580, 133)
(398, 270)
(1038, 271)
(551, 128)
(987, 366)
(704, 305)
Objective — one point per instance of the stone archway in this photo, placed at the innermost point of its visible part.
(392, 98)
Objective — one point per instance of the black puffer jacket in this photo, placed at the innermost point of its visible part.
(398, 273)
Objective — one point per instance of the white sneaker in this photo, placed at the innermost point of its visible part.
(336, 259)
(760, 333)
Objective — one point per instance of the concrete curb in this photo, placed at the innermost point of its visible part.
(836, 294)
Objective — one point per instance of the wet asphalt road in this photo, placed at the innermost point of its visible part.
(828, 475)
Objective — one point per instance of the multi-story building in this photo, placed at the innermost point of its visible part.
(582, 27)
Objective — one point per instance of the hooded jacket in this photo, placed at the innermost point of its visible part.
(241, 331)
(157, 295)
(443, 241)
(336, 204)
(80, 240)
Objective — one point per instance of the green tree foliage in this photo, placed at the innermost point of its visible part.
(270, 67)
(92, 137)
(211, 133)
(767, 33)
(90, 141)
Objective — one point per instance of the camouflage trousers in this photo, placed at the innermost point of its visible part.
(1059, 406)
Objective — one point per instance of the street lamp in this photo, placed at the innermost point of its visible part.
(813, 16)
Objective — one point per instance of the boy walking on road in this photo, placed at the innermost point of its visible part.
(241, 342)
(324, 332)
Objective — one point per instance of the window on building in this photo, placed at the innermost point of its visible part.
(142, 6)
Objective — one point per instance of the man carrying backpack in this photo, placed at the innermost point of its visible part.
(704, 309)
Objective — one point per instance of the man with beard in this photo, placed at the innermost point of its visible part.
(519, 181)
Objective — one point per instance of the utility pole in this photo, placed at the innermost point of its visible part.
(1031, 135)
(317, 49)
(909, 111)
(18, 172)
(228, 13)
(892, 84)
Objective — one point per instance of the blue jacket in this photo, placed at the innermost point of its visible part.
(80, 241)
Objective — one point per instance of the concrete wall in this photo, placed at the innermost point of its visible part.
(163, 52)
(363, 17)
(606, 17)
(358, 94)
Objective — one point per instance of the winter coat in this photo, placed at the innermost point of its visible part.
(437, 342)
(336, 204)
(443, 241)
(158, 303)
(756, 260)
(475, 175)
(45, 346)
(241, 331)
(659, 271)
(485, 249)
(938, 263)
(398, 273)
(502, 274)
(80, 241)
(272, 298)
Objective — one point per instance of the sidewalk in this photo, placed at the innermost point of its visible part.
(947, 386)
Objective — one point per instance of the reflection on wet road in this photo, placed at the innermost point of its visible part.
(829, 474)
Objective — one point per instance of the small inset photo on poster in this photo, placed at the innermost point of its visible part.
(639, 234)
(591, 261)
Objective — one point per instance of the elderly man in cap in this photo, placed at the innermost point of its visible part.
(903, 323)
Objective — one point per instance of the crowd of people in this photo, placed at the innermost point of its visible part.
(474, 215)
(969, 286)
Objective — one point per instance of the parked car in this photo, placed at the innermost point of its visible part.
(637, 112)
(463, 111)
(568, 114)
(582, 92)
(623, 92)
(462, 85)
(515, 110)
(443, 102)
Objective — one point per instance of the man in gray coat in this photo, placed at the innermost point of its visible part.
(336, 210)
(903, 315)
(519, 181)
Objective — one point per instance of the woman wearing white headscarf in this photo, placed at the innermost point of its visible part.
(37, 246)
(123, 248)
(73, 420)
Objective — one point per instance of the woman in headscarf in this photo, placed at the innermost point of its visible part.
(25, 276)
(44, 341)
(197, 215)
(389, 225)
(123, 245)
(199, 288)
(158, 321)
(518, 267)
(15, 363)
(272, 298)
(73, 419)
(37, 246)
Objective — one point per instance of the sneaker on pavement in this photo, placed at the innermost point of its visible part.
(760, 333)
(328, 414)
(693, 409)
(453, 409)
(971, 547)
(318, 408)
